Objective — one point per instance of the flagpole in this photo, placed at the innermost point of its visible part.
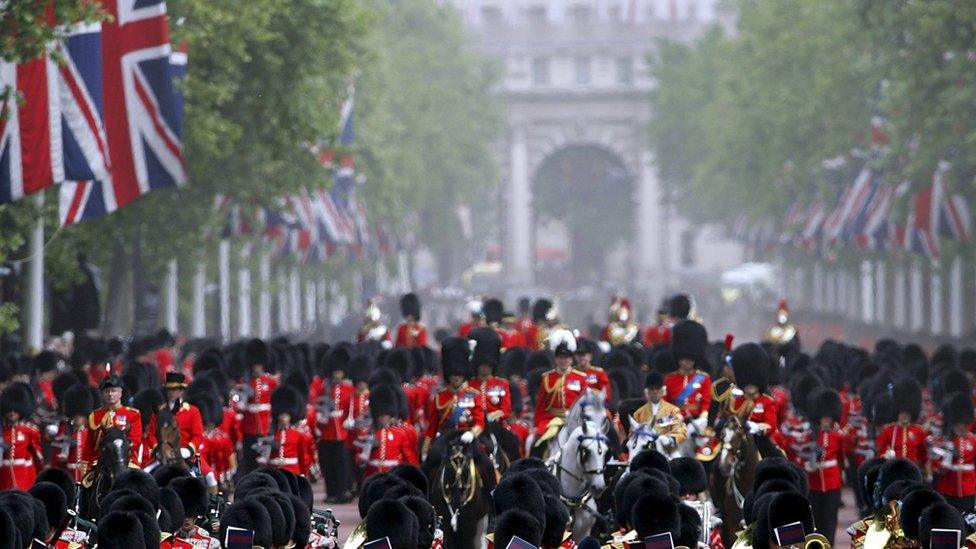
(35, 281)
(199, 304)
(244, 292)
(295, 305)
(283, 315)
(264, 298)
(223, 258)
(171, 298)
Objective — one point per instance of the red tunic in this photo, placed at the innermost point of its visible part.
(493, 397)
(191, 425)
(557, 394)
(430, 382)
(217, 450)
(763, 411)
(417, 397)
(231, 424)
(458, 411)
(148, 443)
(291, 453)
(329, 426)
(510, 338)
(69, 458)
(697, 401)
(535, 337)
(411, 334)
(19, 464)
(597, 378)
(47, 393)
(824, 473)
(958, 479)
(361, 416)
(656, 334)
(904, 441)
(465, 328)
(257, 411)
(124, 418)
(392, 446)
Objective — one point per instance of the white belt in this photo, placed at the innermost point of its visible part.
(827, 464)
(16, 462)
(384, 462)
(258, 408)
(284, 461)
(73, 466)
(335, 413)
(962, 467)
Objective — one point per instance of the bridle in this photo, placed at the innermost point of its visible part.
(582, 457)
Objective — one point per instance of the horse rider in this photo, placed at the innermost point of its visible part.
(373, 328)
(187, 416)
(493, 392)
(559, 388)
(21, 443)
(78, 404)
(596, 377)
(750, 366)
(112, 415)
(456, 407)
(689, 388)
(663, 418)
(410, 332)
(621, 329)
(256, 407)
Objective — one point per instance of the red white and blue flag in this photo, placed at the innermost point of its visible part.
(921, 231)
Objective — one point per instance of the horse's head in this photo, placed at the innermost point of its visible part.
(113, 451)
(592, 450)
(736, 442)
(641, 438)
(167, 437)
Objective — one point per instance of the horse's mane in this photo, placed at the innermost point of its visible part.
(112, 434)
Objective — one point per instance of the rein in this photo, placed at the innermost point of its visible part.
(457, 463)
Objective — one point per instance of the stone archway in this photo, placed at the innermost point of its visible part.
(582, 201)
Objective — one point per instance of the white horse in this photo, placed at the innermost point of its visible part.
(643, 437)
(588, 407)
(579, 471)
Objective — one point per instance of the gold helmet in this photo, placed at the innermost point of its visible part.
(620, 309)
(372, 313)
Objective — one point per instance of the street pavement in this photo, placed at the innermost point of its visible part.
(348, 515)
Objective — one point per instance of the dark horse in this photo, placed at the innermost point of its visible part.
(737, 470)
(113, 458)
(167, 449)
(461, 481)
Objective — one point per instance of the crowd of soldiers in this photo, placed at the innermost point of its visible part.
(221, 445)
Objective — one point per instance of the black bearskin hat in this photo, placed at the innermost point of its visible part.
(650, 459)
(209, 359)
(384, 400)
(942, 516)
(257, 352)
(557, 517)
(656, 513)
(147, 402)
(303, 521)
(912, 506)
(538, 360)
(337, 359)
(171, 503)
(410, 306)
(8, 532)
(193, 494)
(250, 515)
(164, 474)
(78, 401)
(493, 310)
(400, 360)
(958, 409)
(455, 353)
(211, 411)
(513, 362)
(690, 474)
(426, 518)
(253, 481)
(771, 468)
(679, 306)
(689, 340)
(750, 363)
(487, 347)
(540, 308)
(786, 508)
(690, 527)
(638, 486)
(63, 481)
(824, 402)
(61, 384)
(801, 388)
(139, 482)
(411, 474)
(391, 519)
(907, 396)
(287, 400)
(892, 471)
(120, 530)
(17, 397)
(360, 367)
(44, 361)
(515, 522)
(519, 491)
(279, 533)
(54, 500)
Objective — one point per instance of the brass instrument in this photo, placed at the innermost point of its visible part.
(816, 541)
(622, 333)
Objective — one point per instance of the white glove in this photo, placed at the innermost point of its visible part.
(52, 430)
(467, 437)
(700, 423)
(753, 427)
(348, 424)
(665, 440)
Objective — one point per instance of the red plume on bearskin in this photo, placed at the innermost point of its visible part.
(729, 338)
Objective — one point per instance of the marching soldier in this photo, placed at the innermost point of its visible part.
(689, 388)
(292, 451)
(216, 446)
(493, 392)
(410, 333)
(112, 414)
(524, 321)
(659, 415)
(187, 416)
(78, 403)
(621, 329)
(333, 407)
(387, 445)
(750, 365)
(494, 314)
(823, 459)
(21, 444)
(905, 438)
(560, 387)
(373, 328)
(955, 467)
(255, 407)
(456, 406)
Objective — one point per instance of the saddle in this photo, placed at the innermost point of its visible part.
(552, 429)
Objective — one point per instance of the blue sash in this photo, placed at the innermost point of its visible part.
(688, 389)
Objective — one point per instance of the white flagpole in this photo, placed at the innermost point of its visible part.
(223, 253)
(244, 292)
(264, 298)
(199, 303)
(35, 282)
(171, 297)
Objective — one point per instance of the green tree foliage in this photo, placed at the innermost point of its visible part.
(28, 26)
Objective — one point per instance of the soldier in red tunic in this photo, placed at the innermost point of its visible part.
(524, 320)
(750, 365)
(187, 416)
(456, 407)
(290, 450)
(559, 388)
(255, 406)
(216, 446)
(494, 313)
(545, 317)
(494, 396)
(21, 445)
(823, 458)
(476, 318)
(405, 363)
(112, 414)
(905, 438)
(659, 332)
(410, 332)
(596, 377)
(333, 406)
(955, 467)
(387, 444)
(689, 388)
(78, 403)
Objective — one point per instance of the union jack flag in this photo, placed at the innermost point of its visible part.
(954, 221)
(873, 232)
(31, 157)
(810, 235)
(921, 231)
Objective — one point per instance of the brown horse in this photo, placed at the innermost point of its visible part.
(736, 472)
(167, 449)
